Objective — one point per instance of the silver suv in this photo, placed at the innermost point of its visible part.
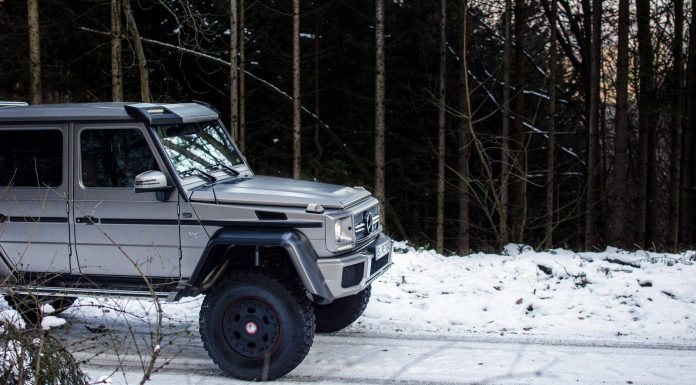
(126, 199)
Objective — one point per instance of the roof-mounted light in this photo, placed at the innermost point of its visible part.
(155, 114)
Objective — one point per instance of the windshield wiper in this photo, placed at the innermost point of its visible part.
(224, 167)
(198, 172)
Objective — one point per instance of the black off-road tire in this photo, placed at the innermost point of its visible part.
(342, 312)
(280, 337)
(29, 308)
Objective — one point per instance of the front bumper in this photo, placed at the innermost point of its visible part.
(351, 273)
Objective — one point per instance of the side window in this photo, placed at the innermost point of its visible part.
(112, 158)
(31, 158)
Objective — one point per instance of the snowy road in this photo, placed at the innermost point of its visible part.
(553, 317)
(368, 359)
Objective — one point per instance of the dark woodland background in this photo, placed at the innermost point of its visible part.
(579, 138)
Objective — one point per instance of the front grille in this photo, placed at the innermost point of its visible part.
(360, 220)
(378, 264)
(352, 275)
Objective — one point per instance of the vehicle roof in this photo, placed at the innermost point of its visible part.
(104, 111)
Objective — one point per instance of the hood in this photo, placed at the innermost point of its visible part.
(268, 190)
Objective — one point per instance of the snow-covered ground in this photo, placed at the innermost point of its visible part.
(609, 295)
(516, 313)
(638, 296)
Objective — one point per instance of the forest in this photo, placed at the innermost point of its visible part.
(554, 123)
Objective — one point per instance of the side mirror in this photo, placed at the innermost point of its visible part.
(151, 181)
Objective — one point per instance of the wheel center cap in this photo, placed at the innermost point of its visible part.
(251, 328)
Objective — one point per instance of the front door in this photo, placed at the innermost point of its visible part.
(119, 232)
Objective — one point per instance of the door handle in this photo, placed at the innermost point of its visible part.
(3, 218)
(87, 219)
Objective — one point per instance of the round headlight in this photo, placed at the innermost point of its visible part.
(338, 229)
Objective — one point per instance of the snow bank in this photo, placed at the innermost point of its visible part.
(50, 321)
(557, 293)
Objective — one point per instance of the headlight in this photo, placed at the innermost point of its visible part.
(343, 233)
(338, 230)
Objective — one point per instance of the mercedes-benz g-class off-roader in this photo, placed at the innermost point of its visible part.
(126, 199)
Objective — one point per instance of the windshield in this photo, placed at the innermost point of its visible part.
(202, 146)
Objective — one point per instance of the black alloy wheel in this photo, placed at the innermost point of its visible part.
(251, 327)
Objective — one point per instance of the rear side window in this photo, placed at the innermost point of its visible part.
(112, 158)
(31, 158)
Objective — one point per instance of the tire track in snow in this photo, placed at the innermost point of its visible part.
(350, 358)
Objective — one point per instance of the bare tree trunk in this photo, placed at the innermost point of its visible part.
(441, 123)
(645, 118)
(687, 199)
(139, 53)
(677, 111)
(584, 38)
(520, 191)
(505, 134)
(379, 108)
(618, 217)
(317, 112)
(603, 156)
(296, 117)
(116, 71)
(551, 147)
(463, 238)
(242, 79)
(653, 230)
(593, 164)
(34, 50)
(234, 68)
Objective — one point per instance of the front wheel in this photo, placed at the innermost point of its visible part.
(256, 328)
(342, 312)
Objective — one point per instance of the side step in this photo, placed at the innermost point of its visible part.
(84, 292)
(13, 104)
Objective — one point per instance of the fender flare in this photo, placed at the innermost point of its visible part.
(296, 244)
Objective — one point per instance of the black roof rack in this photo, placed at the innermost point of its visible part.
(144, 112)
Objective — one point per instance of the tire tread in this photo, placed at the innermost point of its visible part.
(271, 282)
(342, 312)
